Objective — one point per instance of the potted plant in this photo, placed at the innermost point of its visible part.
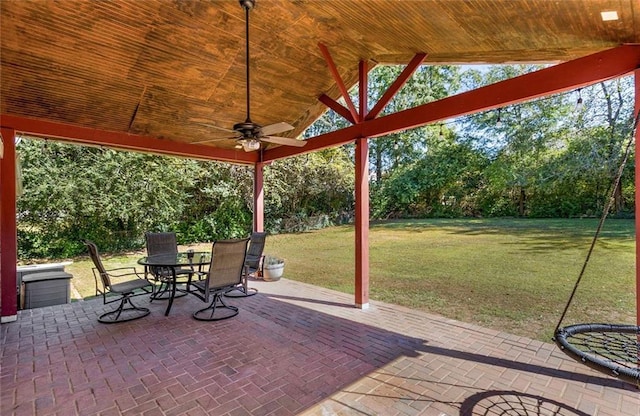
(272, 268)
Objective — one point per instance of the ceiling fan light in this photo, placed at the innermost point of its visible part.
(250, 145)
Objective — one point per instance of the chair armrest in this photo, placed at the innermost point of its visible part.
(121, 273)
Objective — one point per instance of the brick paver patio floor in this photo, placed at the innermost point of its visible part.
(293, 349)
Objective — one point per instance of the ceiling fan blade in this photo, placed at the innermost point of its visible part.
(283, 140)
(276, 128)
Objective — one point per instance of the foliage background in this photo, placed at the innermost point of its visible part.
(544, 158)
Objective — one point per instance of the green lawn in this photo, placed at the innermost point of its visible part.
(509, 274)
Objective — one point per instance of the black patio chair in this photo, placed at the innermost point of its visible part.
(254, 262)
(165, 243)
(225, 271)
(124, 290)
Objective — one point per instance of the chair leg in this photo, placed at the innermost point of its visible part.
(164, 291)
(241, 291)
(217, 303)
(114, 316)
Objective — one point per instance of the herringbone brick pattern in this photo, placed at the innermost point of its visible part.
(293, 349)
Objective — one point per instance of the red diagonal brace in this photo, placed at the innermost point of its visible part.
(338, 79)
(397, 84)
(337, 107)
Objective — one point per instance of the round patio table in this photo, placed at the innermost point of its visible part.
(173, 261)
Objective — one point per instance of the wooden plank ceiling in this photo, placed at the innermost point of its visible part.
(165, 69)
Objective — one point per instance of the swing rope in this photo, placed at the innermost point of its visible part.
(605, 212)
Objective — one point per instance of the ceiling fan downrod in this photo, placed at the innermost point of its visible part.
(248, 134)
(247, 5)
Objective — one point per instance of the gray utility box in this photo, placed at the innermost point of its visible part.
(46, 289)
(43, 285)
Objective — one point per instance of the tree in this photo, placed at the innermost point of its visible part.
(441, 183)
(302, 188)
(618, 122)
(72, 193)
(427, 84)
(547, 158)
(219, 205)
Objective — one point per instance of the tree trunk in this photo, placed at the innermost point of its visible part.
(618, 202)
(378, 164)
(522, 202)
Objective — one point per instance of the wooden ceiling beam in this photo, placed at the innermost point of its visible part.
(123, 141)
(588, 70)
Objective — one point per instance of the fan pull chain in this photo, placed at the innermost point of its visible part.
(605, 212)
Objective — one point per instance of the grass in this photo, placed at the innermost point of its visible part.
(512, 275)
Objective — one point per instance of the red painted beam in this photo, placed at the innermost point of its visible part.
(337, 107)
(125, 141)
(258, 197)
(637, 184)
(8, 228)
(362, 224)
(362, 201)
(566, 76)
(580, 72)
(363, 89)
(338, 79)
(397, 84)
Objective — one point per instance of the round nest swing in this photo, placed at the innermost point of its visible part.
(613, 349)
(608, 348)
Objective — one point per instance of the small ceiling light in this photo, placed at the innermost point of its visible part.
(250, 144)
(579, 103)
(499, 120)
(609, 16)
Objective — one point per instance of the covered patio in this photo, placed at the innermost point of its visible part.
(168, 78)
(163, 77)
(293, 349)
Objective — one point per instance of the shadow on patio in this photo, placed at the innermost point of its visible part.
(293, 349)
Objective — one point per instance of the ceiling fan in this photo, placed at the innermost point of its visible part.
(248, 134)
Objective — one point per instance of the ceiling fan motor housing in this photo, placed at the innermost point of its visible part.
(248, 129)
